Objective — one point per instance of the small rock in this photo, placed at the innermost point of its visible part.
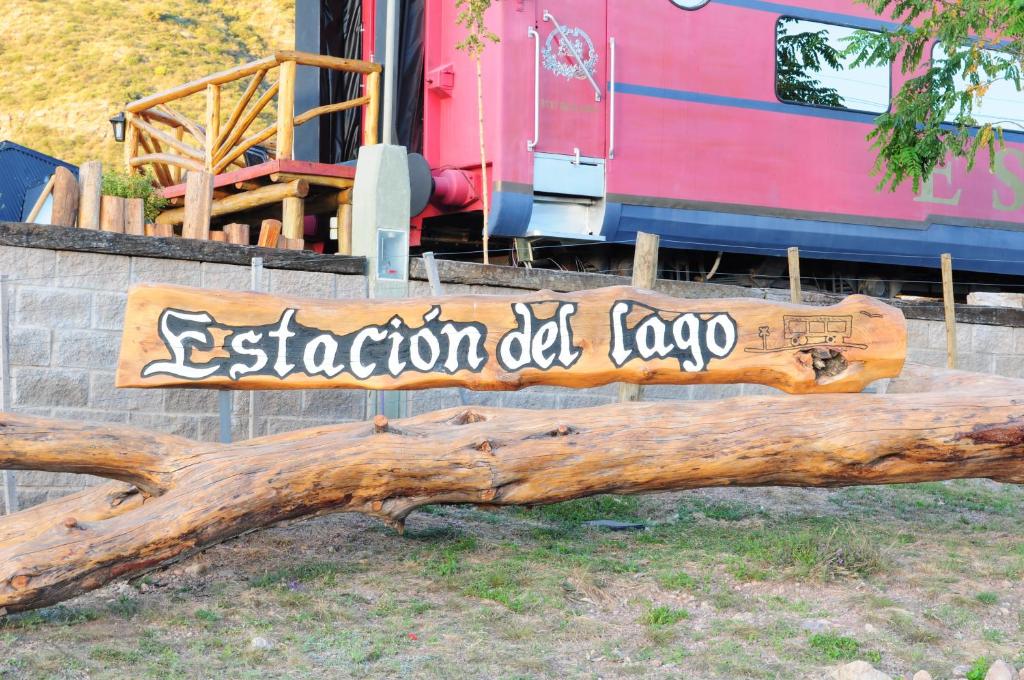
(815, 625)
(194, 569)
(858, 670)
(125, 590)
(922, 675)
(261, 643)
(868, 628)
(1001, 670)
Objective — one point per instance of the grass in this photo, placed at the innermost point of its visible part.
(979, 668)
(622, 508)
(721, 585)
(302, 573)
(987, 598)
(85, 75)
(839, 647)
(663, 615)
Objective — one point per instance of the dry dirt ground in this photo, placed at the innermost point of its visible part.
(758, 583)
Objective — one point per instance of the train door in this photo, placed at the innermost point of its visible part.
(570, 144)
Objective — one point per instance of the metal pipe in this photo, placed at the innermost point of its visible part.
(611, 98)
(390, 71)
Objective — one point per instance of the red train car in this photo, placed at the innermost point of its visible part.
(704, 122)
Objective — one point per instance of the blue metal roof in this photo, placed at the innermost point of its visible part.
(21, 169)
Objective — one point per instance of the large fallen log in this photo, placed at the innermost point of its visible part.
(175, 497)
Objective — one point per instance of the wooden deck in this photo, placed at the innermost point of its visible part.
(317, 174)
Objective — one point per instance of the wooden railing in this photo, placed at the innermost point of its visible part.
(170, 142)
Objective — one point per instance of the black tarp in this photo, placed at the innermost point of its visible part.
(341, 36)
(409, 109)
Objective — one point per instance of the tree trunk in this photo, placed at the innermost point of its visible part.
(485, 190)
(175, 497)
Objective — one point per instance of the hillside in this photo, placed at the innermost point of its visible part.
(68, 66)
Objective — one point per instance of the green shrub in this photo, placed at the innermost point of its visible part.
(665, 616)
(124, 185)
(835, 647)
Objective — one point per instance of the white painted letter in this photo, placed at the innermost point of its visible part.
(238, 347)
(521, 337)
(728, 327)
(619, 352)
(176, 343)
(355, 361)
(567, 354)
(689, 340)
(281, 365)
(325, 365)
(473, 356)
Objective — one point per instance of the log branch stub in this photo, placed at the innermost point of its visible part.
(380, 424)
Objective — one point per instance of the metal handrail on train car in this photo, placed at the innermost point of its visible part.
(531, 144)
(611, 97)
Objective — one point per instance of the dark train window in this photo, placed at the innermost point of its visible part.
(810, 69)
(1003, 103)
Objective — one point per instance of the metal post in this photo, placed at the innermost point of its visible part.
(390, 70)
(9, 482)
(256, 277)
(430, 264)
(224, 408)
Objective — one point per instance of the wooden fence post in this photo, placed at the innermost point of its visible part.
(293, 217)
(112, 209)
(237, 233)
(135, 217)
(212, 124)
(344, 222)
(90, 188)
(270, 233)
(371, 121)
(950, 309)
(198, 205)
(645, 273)
(286, 111)
(65, 198)
(794, 275)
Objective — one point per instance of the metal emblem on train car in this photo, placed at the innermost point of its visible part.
(689, 4)
(558, 58)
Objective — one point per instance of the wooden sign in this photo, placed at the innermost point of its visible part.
(177, 336)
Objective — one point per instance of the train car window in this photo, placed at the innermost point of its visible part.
(811, 69)
(1003, 102)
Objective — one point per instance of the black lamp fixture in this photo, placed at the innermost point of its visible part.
(117, 122)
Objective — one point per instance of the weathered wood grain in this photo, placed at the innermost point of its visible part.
(35, 236)
(65, 198)
(586, 339)
(196, 494)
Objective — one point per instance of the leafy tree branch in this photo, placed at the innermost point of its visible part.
(935, 115)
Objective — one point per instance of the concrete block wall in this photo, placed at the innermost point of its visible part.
(67, 310)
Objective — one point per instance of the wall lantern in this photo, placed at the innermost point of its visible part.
(117, 122)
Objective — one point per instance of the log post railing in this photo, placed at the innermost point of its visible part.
(160, 136)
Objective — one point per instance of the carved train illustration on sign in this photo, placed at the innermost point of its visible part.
(179, 336)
